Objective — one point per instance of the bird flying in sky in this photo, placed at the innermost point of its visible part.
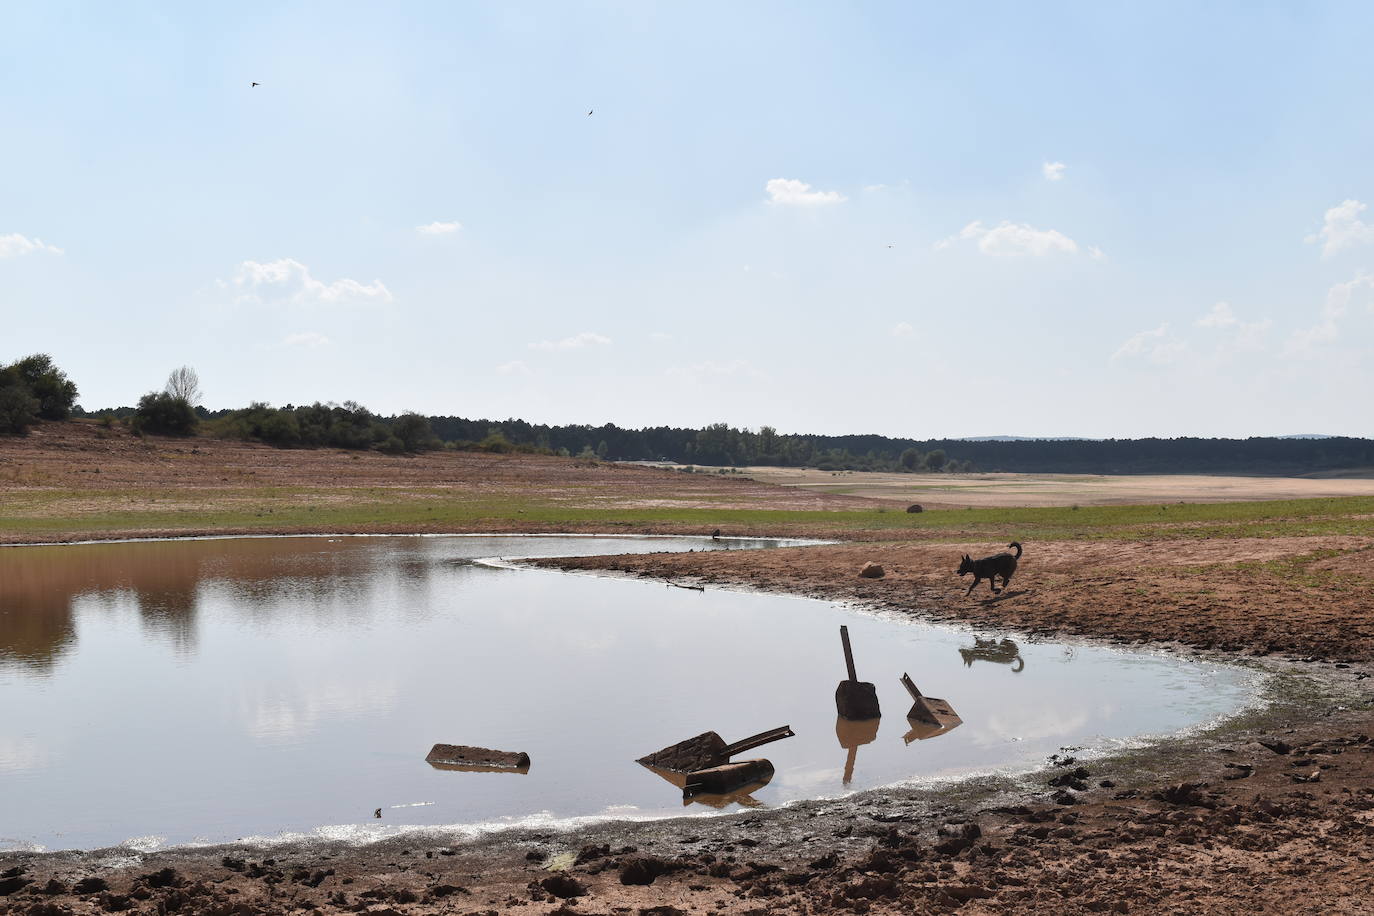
(589, 113)
(251, 85)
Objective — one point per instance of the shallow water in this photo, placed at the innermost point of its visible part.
(219, 689)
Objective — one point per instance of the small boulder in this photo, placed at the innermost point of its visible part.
(642, 870)
(872, 570)
(563, 886)
(915, 507)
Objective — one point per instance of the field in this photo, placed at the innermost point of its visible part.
(959, 491)
(1273, 812)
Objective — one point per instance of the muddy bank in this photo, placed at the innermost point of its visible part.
(1273, 812)
(1303, 596)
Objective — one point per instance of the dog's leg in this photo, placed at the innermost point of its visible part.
(971, 587)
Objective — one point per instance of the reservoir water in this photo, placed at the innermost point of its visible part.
(210, 690)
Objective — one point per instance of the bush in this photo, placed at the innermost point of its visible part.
(55, 392)
(164, 414)
(18, 408)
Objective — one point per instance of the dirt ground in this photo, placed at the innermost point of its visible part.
(1274, 812)
(957, 491)
(93, 463)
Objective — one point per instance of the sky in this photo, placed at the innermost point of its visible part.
(915, 219)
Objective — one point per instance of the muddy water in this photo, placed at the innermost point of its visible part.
(171, 692)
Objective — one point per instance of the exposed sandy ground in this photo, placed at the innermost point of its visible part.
(1274, 813)
(956, 491)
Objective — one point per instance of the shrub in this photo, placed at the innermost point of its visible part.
(164, 414)
(55, 392)
(18, 408)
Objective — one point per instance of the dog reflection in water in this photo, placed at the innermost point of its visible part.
(1004, 652)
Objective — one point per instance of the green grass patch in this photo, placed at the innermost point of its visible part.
(56, 512)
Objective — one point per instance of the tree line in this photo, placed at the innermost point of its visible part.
(33, 389)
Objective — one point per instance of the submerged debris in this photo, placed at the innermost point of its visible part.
(727, 778)
(854, 699)
(929, 716)
(709, 750)
(477, 759)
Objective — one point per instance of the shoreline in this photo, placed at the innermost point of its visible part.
(818, 856)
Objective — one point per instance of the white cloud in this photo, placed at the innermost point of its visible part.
(1053, 171)
(1240, 335)
(1343, 228)
(1220, 316)
(796, 193)
(439, 228)
(700, 372)
(1012, 239)
(576, 342)
(660, 336)
(902, 329)
(308, 340)
(1157, 346)
(1339, 299)
(15, 245)
(288, 280)
(514, 367)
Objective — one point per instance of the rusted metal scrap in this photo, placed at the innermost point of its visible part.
(709, 750)
(728, 778)
(855, 700)
(929, 716)
(477, 759)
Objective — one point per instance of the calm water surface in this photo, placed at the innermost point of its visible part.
(219, 689)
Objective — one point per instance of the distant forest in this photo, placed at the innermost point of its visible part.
(721, 445)
(34, 389)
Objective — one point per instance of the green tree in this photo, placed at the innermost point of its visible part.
(48, 384)
(414, 432)
(18, 408)
(935, 459)
(161, 413)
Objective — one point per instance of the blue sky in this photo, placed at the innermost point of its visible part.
(912, 219)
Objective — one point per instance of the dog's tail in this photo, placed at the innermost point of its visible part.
(1017, 545)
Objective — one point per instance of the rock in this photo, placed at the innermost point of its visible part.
(966, 892)
(870, 888)
(872, 570)
(167, 877)
(915, 507)
(440, 891)
(12, 884)
(642, 870)
(563, 886)
(90, 886)
(1185, 793)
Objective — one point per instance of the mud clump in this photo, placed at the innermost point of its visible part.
(563, 886)
(643, 870)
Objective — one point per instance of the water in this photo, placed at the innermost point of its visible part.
(169, 692)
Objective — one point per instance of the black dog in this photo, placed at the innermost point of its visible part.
(999, 564)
